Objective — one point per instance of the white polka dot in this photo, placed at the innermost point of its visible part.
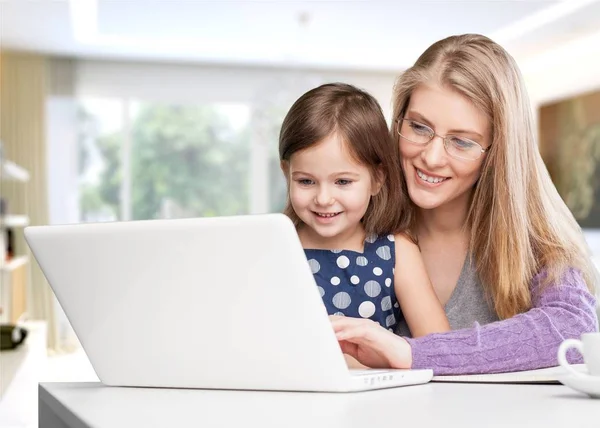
(371, 238)
(335, 281)
(396, 305)
(372, 288)
(362, 261)
(388, 282)
(386, 303)
(377, 271)
(391, 238)
(354, 279)
(341, 300)
(366, 309)
(314, 266)
(343, 262)
(393, 270)
(321, 290)
(384, 252)
(336, 251)
(390, 320)
(340, 314)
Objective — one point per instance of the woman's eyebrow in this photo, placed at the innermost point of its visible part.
(419, 116)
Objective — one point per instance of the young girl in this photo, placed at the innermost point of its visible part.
(343, 178)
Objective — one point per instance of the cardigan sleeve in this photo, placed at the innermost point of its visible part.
(526, 341)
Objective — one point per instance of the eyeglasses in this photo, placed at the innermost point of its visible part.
(457, 147)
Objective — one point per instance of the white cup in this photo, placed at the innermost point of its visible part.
(589, 347)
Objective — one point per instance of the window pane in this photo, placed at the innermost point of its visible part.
(189, 160)
(99, 158)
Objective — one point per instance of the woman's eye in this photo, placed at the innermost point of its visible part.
(343, 182)
(305, 182)
(420, 129)
(462, 144)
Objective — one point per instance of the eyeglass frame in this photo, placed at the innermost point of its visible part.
(434, 134)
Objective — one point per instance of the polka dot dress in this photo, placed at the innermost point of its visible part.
(359, 285)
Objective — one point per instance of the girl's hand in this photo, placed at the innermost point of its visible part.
(370, 344)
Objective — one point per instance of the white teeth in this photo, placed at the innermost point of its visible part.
(428, 178)
(327, 214)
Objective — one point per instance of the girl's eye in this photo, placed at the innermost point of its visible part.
(305, 182)
(343, 182)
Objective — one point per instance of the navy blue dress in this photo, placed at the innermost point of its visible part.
(359, 285)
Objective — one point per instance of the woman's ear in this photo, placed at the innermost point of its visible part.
(378, 180)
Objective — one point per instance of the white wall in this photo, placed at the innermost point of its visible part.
(566, 70)
(560, 73)
(194, 83)
(62, 160)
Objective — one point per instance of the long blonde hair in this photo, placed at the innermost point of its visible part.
(519, 225)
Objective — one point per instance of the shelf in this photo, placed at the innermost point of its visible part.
(14, 221)
(12, 171)
(13, 264)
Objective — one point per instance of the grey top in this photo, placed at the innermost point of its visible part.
(467, 304)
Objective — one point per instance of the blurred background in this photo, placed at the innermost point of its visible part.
(142, 109)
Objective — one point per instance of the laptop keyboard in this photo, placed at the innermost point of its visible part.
(360, 372)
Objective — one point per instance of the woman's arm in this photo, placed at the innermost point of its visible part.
(419, 304)
(524, 342)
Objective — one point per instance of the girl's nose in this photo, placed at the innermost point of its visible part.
(324, 197)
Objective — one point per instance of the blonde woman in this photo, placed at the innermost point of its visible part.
(506, 258)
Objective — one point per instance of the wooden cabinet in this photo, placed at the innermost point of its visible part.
(13, 288)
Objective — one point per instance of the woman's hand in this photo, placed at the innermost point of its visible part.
(352, 363)
(371, 344)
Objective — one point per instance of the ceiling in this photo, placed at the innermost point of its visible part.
(373, 35)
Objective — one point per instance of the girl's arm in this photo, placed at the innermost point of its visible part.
(420, 305)
(524, 342)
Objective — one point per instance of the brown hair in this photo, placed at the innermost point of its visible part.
(356, 117)
(519, 224)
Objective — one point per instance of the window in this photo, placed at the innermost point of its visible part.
(100, 130)
(144, 160)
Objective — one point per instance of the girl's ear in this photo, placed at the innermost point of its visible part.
(378, 180)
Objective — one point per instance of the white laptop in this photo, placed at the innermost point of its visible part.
(222, 302)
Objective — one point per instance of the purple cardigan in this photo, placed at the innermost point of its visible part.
(524, 342)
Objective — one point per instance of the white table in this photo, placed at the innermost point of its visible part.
(76, 405)
(20, 371)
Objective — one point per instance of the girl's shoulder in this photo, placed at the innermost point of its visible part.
(383, 245)
(373, 241)
(373, 238)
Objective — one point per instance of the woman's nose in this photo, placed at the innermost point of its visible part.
(434, 154)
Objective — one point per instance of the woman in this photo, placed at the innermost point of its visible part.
(506, 257)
